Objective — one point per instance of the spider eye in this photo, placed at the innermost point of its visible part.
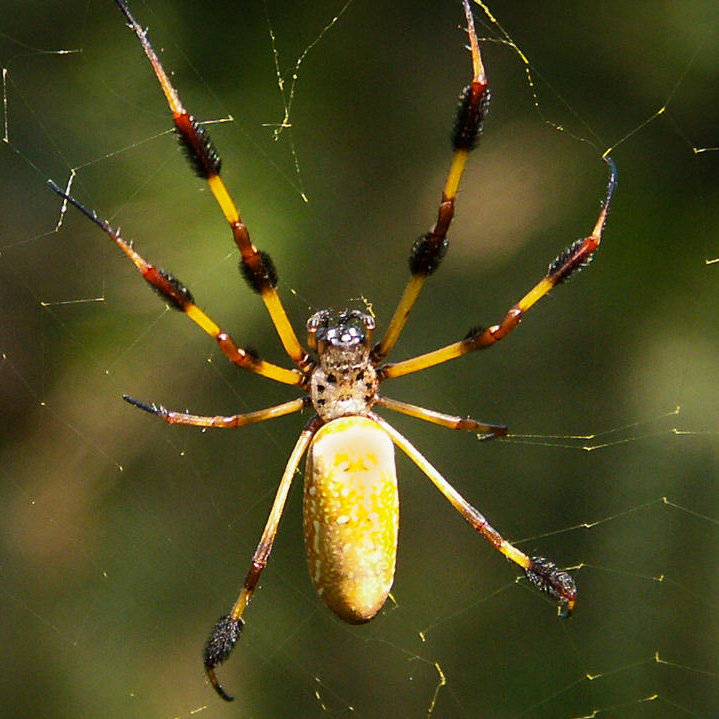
(343, 330)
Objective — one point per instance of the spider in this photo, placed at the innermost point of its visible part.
(350, 496)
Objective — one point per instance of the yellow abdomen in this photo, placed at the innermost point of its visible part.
(351, 516)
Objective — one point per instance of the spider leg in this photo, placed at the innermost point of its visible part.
(257, 267)
(540, 571)
(225, 633)
(564, 266)
(180, 298)
(428, 251)
(234, 420)
(487, 431)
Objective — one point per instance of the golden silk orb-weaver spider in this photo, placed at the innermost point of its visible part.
(350, 497)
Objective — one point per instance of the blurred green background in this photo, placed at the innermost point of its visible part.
(122, 539)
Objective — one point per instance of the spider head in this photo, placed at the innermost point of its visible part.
(340, 337)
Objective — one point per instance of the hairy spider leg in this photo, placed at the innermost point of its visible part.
(428, 251)
(576, 256)
(225, 633)
(540, 571)
(179, 297)
(257, 266)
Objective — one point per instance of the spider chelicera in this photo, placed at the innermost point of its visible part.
(350, 495)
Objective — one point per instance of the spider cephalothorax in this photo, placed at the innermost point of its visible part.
(344, 382)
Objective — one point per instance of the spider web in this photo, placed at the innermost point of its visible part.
(123, 539)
